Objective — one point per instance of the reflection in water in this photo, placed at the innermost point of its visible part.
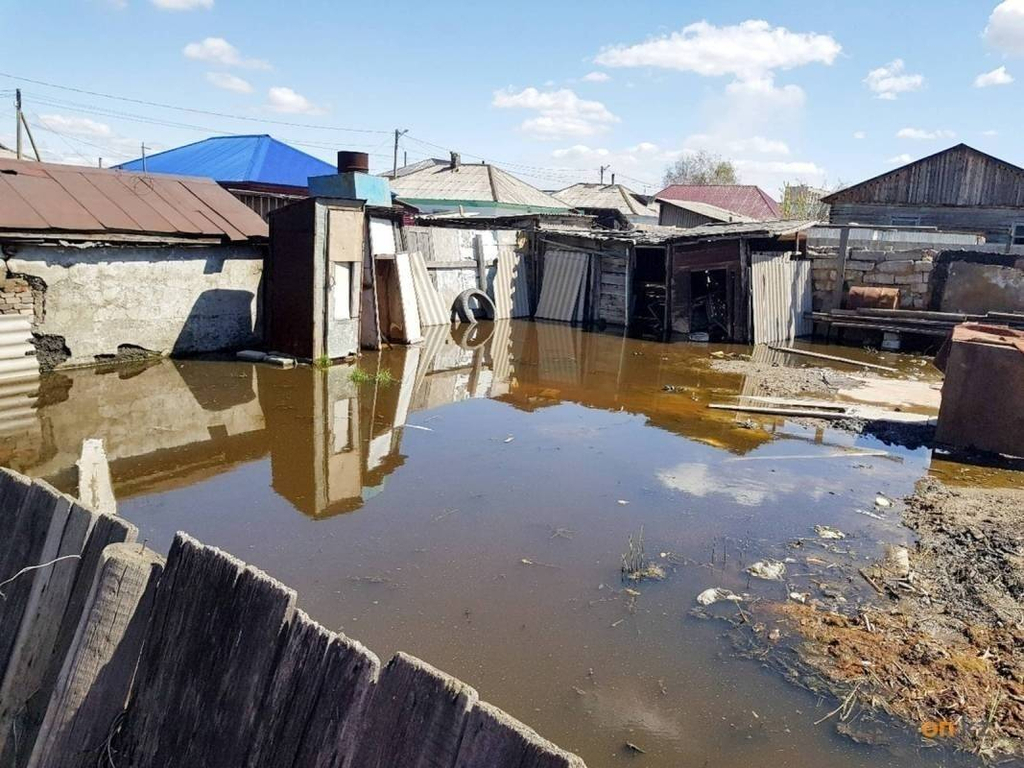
(333, 442)
(496, 559)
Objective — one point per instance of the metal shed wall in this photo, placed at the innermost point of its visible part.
(781, 295)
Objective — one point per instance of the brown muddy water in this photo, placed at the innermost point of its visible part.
(473, 513)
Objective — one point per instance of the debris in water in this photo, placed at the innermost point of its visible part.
(634, 748)
(896, 560)
(827, 532)
(770, 570)
(874, 515)
(799, 597)
(417, 426)
(509, 439)
(635, 567)
(715, 594)
(622, 501)
(528, 561)
(882, 501)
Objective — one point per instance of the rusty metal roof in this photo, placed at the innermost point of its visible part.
(741, 198)
(68, 201)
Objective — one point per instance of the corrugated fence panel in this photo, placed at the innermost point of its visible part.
(564, 273)
(17, 352)
(781, 296)
(432, 309)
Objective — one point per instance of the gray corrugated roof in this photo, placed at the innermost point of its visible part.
(610, 196)
(708, 210)
(470, 182)
(655, 234)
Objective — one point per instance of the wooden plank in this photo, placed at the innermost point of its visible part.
(805, 412)
(314, 704)
(415, 719)
(96, 675)
(494, 738)
(37, 632)
(206, 660)
(833, 358)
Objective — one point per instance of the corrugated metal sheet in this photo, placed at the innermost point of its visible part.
(63, 199)
(562, 285)
(861, 235)
(432, 309)
(17, 353)
(781, 296)
(611, 196)
(511, 290)
(742, 198)
(472, 183)
(258, 159)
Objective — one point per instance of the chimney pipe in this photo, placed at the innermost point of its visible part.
(353, 161)
(613, 179)
(456, 161)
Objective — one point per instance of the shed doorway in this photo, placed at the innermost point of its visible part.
(709, 305)
(650, 295)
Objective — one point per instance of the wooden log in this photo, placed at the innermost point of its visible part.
(93, 683)
(415, 718)
(833, 358)
(95, 489)
(311, 713)
(206, 661)
(494, 738)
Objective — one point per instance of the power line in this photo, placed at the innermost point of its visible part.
(193, 110)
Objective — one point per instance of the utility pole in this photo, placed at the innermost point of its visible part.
(394, 167)
(17, 121)
(143, 157)
(603, 169)
(100, 163)
(21, 122)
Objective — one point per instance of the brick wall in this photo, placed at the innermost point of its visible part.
(908, 270)
(16, 297)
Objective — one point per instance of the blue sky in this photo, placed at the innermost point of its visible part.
(819, 92)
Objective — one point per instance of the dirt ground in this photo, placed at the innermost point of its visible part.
(787, 381)
(942, 643)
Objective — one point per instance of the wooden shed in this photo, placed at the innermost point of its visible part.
(959, 188)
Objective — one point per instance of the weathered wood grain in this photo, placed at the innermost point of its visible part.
(312, 710)
(46, 592)
(206, 661)
(495, 738)
(94, 680)
(415, 718)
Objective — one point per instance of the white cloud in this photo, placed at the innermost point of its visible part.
(220, 51)
(229, 82)
(76, 126)
(182, 5)
(998, 76)
(901, 159)
(596, 77)
(749, 50)
(859, 135)
(287, 101)
(920, 134)
(770, 175)
(990, 132)
(891, 80)
(1005, 30)
(561, 114)
(581, 151)
(755, 144)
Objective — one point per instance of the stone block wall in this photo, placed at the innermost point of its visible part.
(875, 266)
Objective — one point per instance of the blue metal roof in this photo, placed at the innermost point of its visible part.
(259, 159)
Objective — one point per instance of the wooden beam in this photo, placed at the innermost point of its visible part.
(833, 358)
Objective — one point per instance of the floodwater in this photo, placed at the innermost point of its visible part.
(474, 511)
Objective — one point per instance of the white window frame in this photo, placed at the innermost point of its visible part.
(1017, 233)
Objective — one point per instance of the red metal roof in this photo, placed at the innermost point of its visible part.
(54, 199)
(746, 199)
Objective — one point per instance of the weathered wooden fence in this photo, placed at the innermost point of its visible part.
(109, 654)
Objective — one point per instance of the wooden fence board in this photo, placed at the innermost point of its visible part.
(494, 738)
(93, 683)
(205, 663)
(415, 718)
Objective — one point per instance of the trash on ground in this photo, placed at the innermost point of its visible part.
(770, 570)
(827, 532)
(715, 594)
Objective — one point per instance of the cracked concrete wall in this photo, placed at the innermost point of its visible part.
(177, 300)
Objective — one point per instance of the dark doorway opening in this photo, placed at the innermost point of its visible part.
(709, 304)
(650, 294)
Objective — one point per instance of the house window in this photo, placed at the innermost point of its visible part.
(905, 221)
(1017, 236)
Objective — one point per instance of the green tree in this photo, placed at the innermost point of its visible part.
(701, 168)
